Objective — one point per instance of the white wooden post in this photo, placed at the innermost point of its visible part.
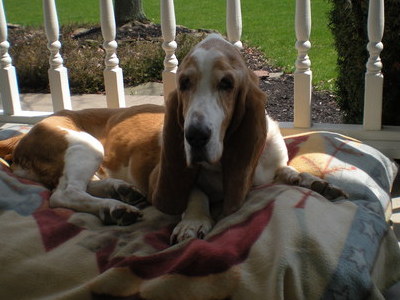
(8, 79)
(58, 74)
(168, 29)
(303, 74)
(113, 77)
(373, 76)
(234, 22)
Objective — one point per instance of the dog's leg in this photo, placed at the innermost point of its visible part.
(82, 159)
(272, 167)
(274, 156)
(196, 220)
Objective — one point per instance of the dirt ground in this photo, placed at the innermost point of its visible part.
(279, 89)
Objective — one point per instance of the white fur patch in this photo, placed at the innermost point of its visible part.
(273, 157)
(205, 102)
(214, 36)
(83, 138)
(82, 158)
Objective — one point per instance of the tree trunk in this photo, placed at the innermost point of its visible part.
(128, 11)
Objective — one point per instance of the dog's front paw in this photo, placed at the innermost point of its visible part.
(120, 214)
(191, 228)
(117, 189)
(328, 190)
(322, 187)
(289, 175)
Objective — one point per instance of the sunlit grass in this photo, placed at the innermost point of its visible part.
(29, 12)
(267, 24)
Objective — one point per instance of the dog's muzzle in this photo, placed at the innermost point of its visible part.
(198, 137)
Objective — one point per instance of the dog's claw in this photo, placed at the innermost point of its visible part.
(190, 229)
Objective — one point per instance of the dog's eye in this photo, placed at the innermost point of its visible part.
(184, 83)
(225, 84)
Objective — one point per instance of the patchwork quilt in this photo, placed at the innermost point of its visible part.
(285, 242)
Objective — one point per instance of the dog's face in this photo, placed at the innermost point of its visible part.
(208, 84)
(216, 116)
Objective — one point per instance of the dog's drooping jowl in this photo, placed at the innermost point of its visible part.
(212, 142)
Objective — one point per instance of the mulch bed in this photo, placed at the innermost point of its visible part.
(280, 92)
(279, 89)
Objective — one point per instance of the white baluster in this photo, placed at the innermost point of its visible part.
(234, 22)
(8, 78)
(168, 29)
(58, 74)
(373, 76)
(303, 74)
(113, 77)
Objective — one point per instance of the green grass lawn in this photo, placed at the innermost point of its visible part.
(267, 24)
(29, 12)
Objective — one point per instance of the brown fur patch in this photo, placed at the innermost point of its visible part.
(42, 149)
(134, 135)
(7, 146)
(171, 181)
(127, 134)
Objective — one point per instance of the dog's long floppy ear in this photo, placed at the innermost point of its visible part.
(243, 144)
(171, 181)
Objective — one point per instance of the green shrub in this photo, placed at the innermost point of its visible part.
(141, 59)
(348, 23)
(31, 59)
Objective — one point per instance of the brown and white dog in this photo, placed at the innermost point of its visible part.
(211, 142)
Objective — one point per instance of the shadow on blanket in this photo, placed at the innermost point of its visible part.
(285, 242)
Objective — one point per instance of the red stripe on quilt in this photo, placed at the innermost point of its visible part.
(200, 257)
(293, 145)
(302, 202)
(54, 227)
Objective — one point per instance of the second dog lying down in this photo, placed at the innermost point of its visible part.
(211, 142)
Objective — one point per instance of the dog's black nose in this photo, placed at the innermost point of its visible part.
(198, 135)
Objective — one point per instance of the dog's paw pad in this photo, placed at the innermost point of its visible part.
(123, 215)
(123, 189)
(127, 193)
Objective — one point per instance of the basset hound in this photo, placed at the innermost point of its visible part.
(211, 143)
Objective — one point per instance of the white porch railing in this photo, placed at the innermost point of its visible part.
(385, 138)
(58, 77)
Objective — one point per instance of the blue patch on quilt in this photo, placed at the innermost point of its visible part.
(352, 278)
(22, 198)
